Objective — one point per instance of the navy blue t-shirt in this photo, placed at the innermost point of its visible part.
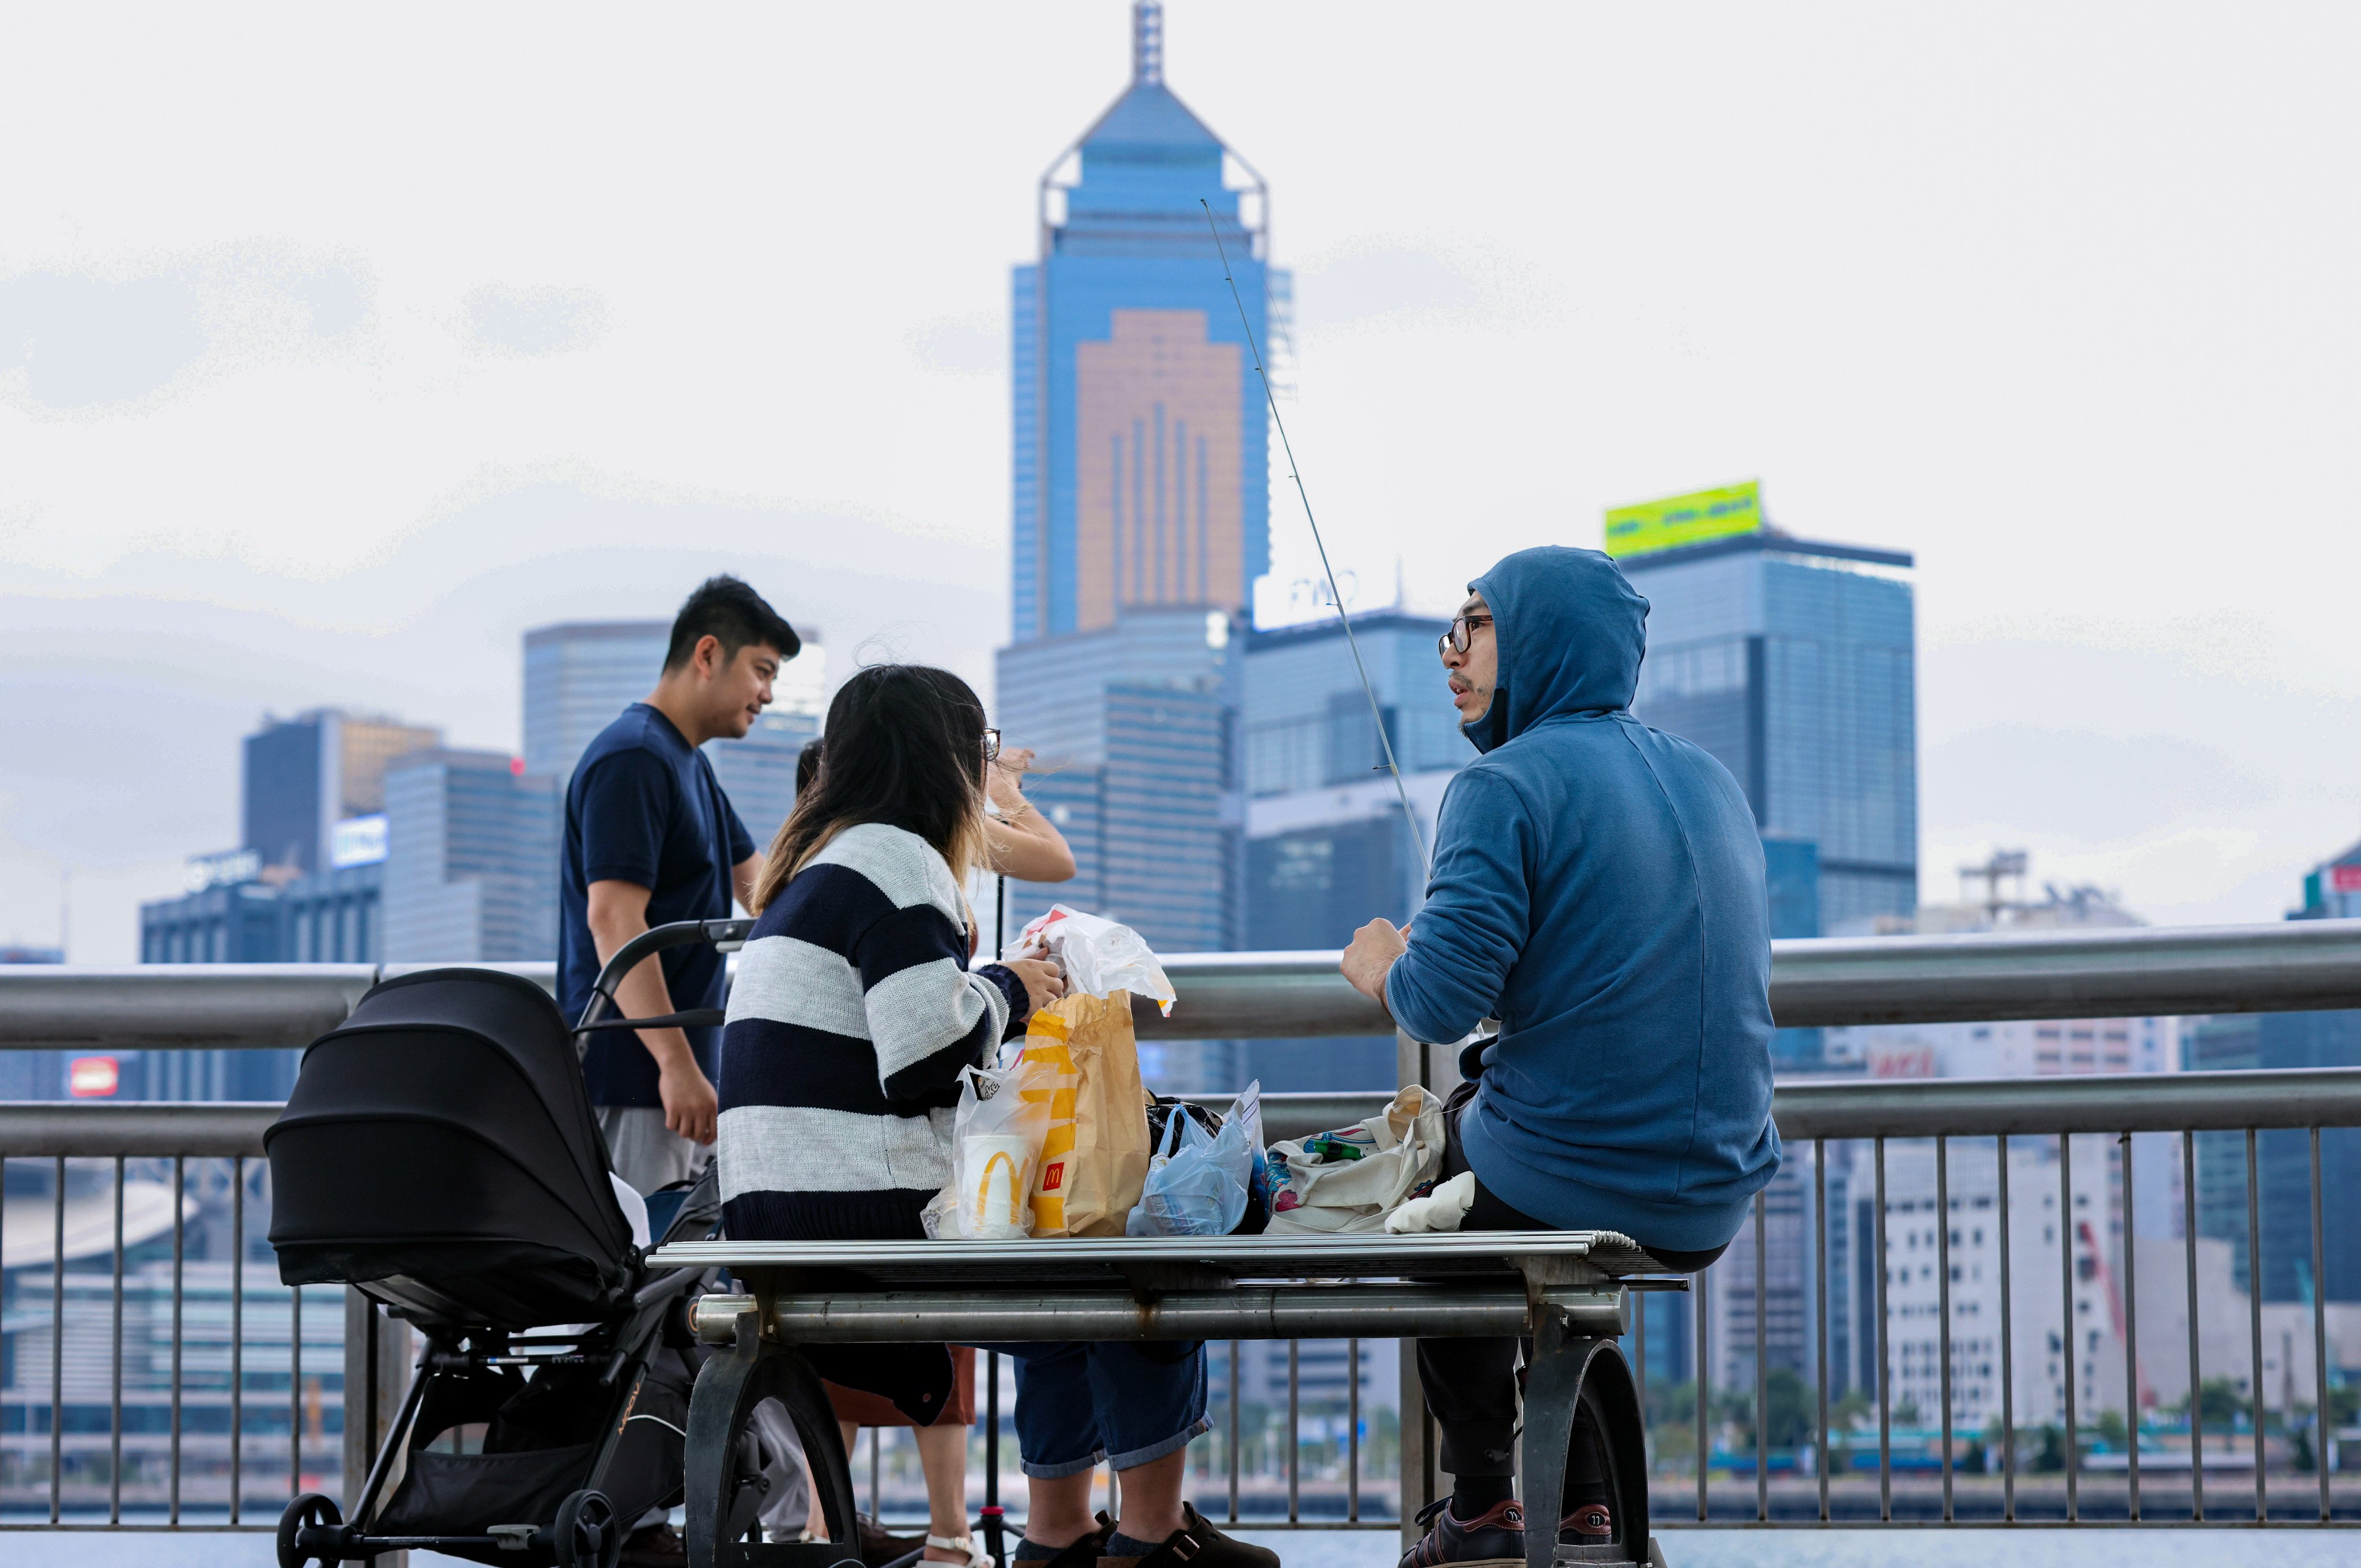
(644, 807)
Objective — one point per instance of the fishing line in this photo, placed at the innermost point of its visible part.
(1377, 714)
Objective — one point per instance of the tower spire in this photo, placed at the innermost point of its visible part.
(1146, 42)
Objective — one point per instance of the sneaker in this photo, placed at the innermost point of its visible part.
(657, 1546)
(1198, 1543)
(1495, 1540)
(1592, 1524)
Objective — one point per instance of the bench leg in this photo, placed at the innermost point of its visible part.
(721, 1501)
(1573, 1378)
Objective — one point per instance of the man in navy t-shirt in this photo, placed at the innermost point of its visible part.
(650, 839)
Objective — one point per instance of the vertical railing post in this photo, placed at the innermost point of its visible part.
(2131, 1336)
(237, 1339)
(2255, 1318)
(2319, 1335)
(1761, 1370)
(376, 1374)
(1943, 1304)
(1353, 1432)
(1699, 1293)
(58, 1351)
(180, 1303)
(2196, 1381)
(2068, 1362)
(1413, 1063)
(1235, 1376)
(1884, 1366)
(1820, 1312)
(2007, 1348)
(114, 1365)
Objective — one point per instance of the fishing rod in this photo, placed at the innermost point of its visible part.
(1377, 713)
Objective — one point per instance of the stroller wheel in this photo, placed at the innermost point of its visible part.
(587, 1534)
(311, 1511)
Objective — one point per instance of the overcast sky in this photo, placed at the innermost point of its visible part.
(337, 347)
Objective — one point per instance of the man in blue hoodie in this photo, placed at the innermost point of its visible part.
(1597, 888)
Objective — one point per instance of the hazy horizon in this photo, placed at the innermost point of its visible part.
(336, 351)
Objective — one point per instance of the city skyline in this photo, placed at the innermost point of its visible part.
(337, 433)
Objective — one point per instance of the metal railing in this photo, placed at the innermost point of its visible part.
(1838, 1133)
(2140, 971)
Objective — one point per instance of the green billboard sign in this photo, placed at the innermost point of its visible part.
(1685, 520)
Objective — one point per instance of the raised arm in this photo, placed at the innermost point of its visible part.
(1024, 843)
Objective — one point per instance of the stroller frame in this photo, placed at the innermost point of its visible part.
(586, 1532)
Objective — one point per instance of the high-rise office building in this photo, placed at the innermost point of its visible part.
(1134, 730)
(1793, 661)
(1141, 515)
(580, 674)
(2283, 1159)
(1327, 848)
(304, 775)
(1141, 444)
(578, 677)
(471, 865)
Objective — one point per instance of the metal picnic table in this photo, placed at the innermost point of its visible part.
(1568, 1290)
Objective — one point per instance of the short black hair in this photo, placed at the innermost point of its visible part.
(725, 608)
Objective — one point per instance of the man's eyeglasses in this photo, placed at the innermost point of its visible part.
(991, 745)
(1462, 629)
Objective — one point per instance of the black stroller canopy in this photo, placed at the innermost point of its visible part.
(440, 1147)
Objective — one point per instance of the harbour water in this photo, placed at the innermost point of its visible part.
(2101, 1546)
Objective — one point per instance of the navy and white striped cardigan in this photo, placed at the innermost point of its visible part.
(853, 1012)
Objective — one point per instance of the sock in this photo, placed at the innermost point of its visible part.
(1031, 1550)
(1471, 1497)
(1120, 1545)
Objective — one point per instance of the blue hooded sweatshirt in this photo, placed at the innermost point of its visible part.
(1598, 887)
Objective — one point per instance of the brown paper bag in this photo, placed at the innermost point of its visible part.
(1089, 1187)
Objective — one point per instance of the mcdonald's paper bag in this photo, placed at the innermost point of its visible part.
(1095, 1158)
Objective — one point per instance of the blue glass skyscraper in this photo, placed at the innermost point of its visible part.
(1141, 446)
(1794, 662)
(1141, 509)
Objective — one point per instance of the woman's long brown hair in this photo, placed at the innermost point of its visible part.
(904, 746)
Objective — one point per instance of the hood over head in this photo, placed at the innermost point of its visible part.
(1571, 630)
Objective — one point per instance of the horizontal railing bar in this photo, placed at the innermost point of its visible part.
(81, 1129)
(1332, 1311)
(1916, 1107)
(2291, 966)
(2096, 1102)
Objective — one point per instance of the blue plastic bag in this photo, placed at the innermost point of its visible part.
(1197, 1182)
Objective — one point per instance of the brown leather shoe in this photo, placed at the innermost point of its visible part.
(879, 1547)
(1083, 1553)
(1591, 1524)
(1199, 1545)
(656, 1546)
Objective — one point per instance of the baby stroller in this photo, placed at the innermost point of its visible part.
(439, 1154)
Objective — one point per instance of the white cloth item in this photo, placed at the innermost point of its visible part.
(1441, 1210)
(643, 1150)
(635, 1208)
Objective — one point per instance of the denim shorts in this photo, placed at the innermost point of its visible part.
(1080, 1403)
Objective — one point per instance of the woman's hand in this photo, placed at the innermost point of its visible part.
(1045, 982)
(999, 779)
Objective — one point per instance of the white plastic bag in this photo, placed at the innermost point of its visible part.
(1198, 1184)
(995, 1150)
(1100, 958)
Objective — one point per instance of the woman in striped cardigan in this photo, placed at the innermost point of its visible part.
(852, 1016)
